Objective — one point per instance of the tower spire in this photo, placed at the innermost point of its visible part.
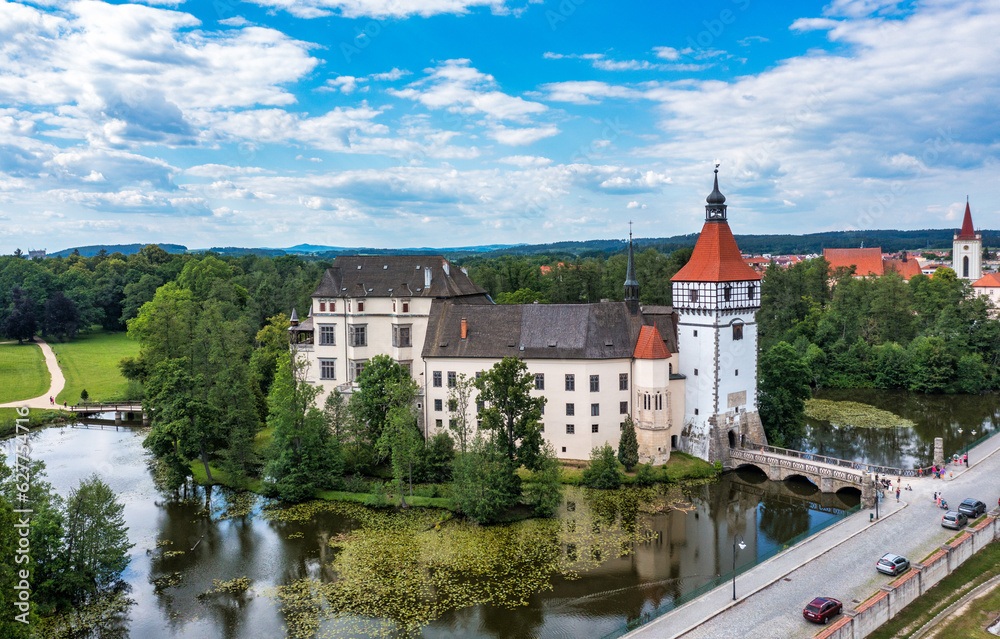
(715, 207)
(631, 284)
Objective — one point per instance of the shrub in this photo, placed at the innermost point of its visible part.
(645, 476)
(603, 470)
(376, 497)
(355, 484)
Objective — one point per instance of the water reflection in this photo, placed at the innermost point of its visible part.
(183, 544)
(934, 416)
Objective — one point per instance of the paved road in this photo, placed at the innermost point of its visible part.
(839, 562)
(55, 374)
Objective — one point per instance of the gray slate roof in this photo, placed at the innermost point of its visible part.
(396, 276)
(533, 331)
(665, 320)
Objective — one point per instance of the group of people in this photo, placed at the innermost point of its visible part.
(52, 401)
(887, 483)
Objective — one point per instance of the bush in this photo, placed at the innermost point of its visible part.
(377, 498)
(84, 395)
(645, 476)
(355, 484)
(603, 470)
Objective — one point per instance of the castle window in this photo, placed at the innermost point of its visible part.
(696, 332)
(594, 428)
(406, 307)
(539, 381)
(327, 334)
(328, 369)
(737, 372)
(453, 405)
(696, 411)
(438, 424)
(595, 383)
(751, 289)
(438, 404)
(622, 408)
(659, 402)
(358, 335)
(401, 335)
(452, 379)
(696, 371)
(737, 331)
(622, 381)
(621, 426)
(570, 430)
(357, 366)
(570, 409)
(693, 295)
(322, 307)
(436, 375)
(726, 292)
(361, 307)
(595, 410)
(570, 382)
(670, 369)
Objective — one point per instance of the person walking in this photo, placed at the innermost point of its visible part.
(897, 494)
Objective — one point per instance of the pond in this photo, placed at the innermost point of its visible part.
(933, 416)
(606, 558)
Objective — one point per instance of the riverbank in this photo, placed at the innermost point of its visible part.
(36, 419)
(680, 468)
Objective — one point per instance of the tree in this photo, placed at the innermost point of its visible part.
(20, 323)
(486, 485)
(932, 365)
(380, 387)
(439, 455)
(304, 456)
(510, 410)
(97, 546)
(971, 373)
(782, 389)
(401, 442)
(628, 445)
(603, 469)
(84, 395)
(543, 490)
(61, 316)
(336, 414)
(459, 399)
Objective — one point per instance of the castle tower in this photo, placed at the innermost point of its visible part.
(967, 250)
(716, 296)
(631, 284)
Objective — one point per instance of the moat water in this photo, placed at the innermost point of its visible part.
(689, 540)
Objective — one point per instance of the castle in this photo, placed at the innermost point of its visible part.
(686, 374)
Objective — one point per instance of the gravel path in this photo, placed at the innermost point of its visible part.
(57, 381)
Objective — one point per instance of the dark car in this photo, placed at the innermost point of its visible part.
(822, 609)
(954, 520)
(972, 508)
(891, 564)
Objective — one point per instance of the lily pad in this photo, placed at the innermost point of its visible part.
(854, 414)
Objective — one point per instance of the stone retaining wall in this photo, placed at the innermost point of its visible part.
(883, 605)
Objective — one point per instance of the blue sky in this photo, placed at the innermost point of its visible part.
(398, 123)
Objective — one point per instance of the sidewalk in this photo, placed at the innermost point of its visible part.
(58, 382)
(689, 616)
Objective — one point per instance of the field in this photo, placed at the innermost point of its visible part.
(23, 374)
(91, 362)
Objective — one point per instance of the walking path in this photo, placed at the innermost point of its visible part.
(55, 387)
(837, 562)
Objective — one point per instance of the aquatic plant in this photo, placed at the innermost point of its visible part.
(843, 413)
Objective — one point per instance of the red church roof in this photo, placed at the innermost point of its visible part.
(906, 269)
(990, 280)
(867, 261)
(650, 344)
(967, 232)
(716, 258)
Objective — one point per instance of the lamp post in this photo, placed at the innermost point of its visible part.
(967, 449)
(741, 547)
(960, 431)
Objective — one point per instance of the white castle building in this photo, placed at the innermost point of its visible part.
(686, 374)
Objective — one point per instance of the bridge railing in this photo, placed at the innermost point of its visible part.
(843, 463)
(109, 406)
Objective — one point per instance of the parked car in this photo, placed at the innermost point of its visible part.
(972, 508)
(954, 520)
(891, 564)
(822, 609)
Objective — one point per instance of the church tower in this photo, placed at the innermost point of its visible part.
(967, 250)
(717, 296)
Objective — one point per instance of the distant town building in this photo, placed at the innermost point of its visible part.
(40, 253)
(967, 250)
(989, 286)
(871, 261)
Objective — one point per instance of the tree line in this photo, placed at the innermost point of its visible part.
(825, 328)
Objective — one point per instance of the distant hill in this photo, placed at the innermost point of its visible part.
(124, 249)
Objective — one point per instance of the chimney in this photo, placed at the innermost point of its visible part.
(465, 328)
(445, 265)
(427, 277)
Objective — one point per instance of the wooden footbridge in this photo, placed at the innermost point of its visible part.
(829, 474)
(124, 411)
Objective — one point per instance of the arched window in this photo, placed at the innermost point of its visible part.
(965, 266)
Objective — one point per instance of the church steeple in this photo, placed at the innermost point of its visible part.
(715, 209)
(631, 284)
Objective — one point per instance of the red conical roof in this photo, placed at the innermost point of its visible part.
(716, 258)
(967, 232)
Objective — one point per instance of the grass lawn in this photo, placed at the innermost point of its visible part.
(36, 418)
(90, 361)
(23, 374)
(977, 569)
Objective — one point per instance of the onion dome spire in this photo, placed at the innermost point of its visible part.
(715, 208)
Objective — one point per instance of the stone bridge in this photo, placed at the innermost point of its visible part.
(828, 474)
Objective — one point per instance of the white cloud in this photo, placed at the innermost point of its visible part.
(379, 8)
(586, 91)
(345, 83)
(389, 76)
(667, 53)
(522, 136)
(525, 161)
(217, 171)
(635, 205)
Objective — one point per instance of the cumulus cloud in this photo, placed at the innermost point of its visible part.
(379, 8)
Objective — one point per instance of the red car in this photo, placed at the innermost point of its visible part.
(822, 609)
